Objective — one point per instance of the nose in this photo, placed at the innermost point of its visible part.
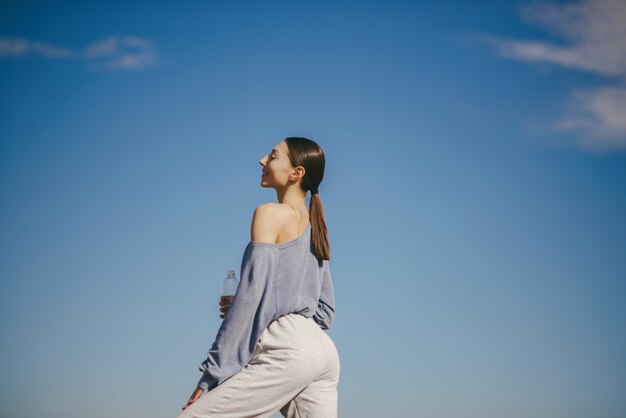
(262, 161)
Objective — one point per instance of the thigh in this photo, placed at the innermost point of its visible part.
(318, 400)
(280, 369)
(258, 390)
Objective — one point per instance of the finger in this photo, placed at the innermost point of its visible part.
(189, 402)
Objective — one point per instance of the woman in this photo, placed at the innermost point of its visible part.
(270, 352)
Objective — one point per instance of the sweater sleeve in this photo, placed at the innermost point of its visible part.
(325, 313)
(253, 307)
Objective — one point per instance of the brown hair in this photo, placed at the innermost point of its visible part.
(306, 153)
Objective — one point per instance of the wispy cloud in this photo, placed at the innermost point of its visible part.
(601, 113)
(121, 53)
(590, 36)
(114, 53)
(21, 47)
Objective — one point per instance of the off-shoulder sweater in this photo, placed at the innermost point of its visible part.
(275, 280)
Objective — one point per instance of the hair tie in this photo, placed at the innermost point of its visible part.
(314, 191)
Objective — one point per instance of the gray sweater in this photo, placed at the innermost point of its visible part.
(276, 279)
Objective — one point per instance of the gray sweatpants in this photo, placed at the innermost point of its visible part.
(295, 369)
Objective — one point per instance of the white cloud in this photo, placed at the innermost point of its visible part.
(601, 115)
(114, 53)
(21, 47)
(102, 48)
(591, 37)
(130, 61)
(121, 53)
(594, 31)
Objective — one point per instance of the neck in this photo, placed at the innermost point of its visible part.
(291, 195)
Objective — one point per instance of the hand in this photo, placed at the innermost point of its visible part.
(225, 302)
(194, 397)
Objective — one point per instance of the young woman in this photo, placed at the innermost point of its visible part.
(270, 352)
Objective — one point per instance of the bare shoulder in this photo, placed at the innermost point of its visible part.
(266, 223)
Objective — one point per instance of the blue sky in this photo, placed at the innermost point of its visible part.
(474, 195)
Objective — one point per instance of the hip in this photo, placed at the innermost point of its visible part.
(299, 337)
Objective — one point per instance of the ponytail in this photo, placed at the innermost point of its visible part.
(306, 153)
(319, 233)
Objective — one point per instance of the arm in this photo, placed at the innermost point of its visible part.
(252, 309)
(325, 312)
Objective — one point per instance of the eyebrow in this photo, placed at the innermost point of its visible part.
(275, 150)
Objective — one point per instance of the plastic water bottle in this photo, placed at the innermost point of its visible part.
(230, 284)
(229, 290)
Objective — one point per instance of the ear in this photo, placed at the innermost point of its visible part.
(297, 173)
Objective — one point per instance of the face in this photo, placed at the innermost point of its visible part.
(277, 170)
